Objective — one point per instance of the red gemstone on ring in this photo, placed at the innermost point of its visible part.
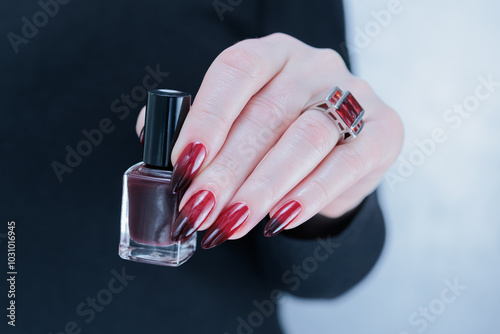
(345, 111)
(347, 114)
(336, 96)
(349, 109)
(353, 103)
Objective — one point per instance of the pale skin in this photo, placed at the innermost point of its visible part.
(264, 150)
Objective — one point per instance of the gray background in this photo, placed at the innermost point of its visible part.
(443, 220)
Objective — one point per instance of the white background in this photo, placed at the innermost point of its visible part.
(443, 220)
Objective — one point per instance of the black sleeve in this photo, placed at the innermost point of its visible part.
(325, 267)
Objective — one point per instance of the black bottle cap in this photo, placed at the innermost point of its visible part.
(166, 110)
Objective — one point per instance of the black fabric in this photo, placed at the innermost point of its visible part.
(328, 266)
(64, 81)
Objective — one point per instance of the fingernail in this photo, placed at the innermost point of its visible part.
(282, 218)
(188, 165)
(193, 214)
(228, 222)
(141, 136)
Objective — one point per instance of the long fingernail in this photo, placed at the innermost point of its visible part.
(282, 218)
(228, 222)
(193, 214)
(141, 136)
(188, 165)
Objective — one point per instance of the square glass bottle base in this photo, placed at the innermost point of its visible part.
(172, 256)
(149, 210)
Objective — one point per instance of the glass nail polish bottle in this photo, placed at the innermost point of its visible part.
(148, 206)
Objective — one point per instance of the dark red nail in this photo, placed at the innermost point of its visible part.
(193, 214)
(282, 218)
(188, 165)
(228, 222)
(141, 136)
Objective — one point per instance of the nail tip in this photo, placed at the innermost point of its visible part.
(178, 185)
(212, 242)
(175, 237)
(273, 227)
(207, 245)
(175, 187)
(211, 245)
(182, 232)
(216, 236)
(141, 136)
(188, 223)
(187, 166)
(268, 234)
(272, 232)
(177, 234)
(181, 239)
(281, 219)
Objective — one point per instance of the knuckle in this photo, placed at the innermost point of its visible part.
(301, 50)
(328, 62)
(268, 110)
(242, 59)
(354, 163)
(225, 171)
(330, 56)
(264, 185)
(209, 115)
(362, 91)
(314, 130)
(360, 87)
(279, 36)
(322, 193)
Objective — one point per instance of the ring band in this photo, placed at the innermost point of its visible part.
(344, 110)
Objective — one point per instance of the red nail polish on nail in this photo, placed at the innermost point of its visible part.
(228, 222)
(188, 165)
(193, 214)
(282, 218)
(141, 136)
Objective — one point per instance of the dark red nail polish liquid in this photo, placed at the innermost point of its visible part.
(148, 207)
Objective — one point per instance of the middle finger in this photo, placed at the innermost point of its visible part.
(301, 148)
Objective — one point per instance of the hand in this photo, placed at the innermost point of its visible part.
(246, 149)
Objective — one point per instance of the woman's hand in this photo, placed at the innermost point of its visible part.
(246, 149)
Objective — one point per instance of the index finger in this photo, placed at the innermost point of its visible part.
(237, 74)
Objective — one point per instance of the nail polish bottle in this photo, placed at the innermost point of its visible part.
(148, 206)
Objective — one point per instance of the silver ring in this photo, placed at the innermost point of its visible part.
(344, 110)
